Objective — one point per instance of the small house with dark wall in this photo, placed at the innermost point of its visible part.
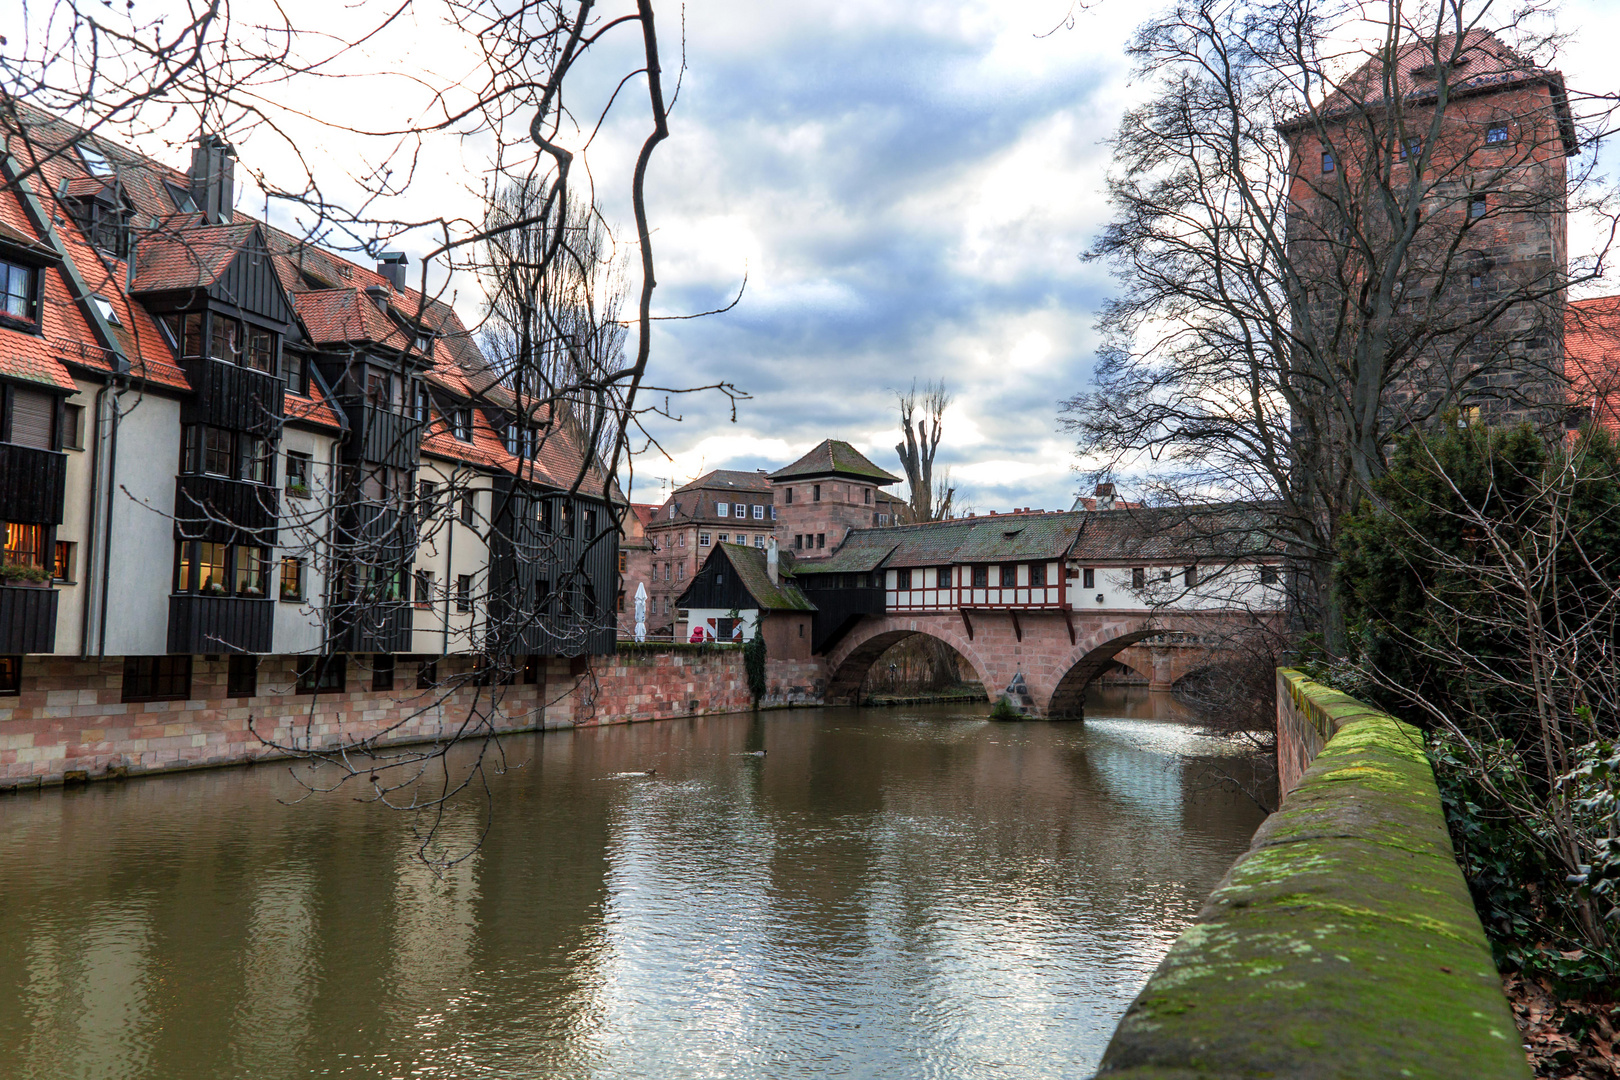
(740, 587)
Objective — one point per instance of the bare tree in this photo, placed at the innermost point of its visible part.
(928, 501)
(1310, 233)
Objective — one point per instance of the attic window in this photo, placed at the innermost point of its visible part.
(108, 312)
(181, 198)
(461, 424)
(94, 160)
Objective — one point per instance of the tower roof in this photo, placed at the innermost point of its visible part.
(834, 457)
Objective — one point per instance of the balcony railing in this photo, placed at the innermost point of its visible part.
(225, 511)
(27, 619)
(220, 624)
(32, 484)
(231, 396)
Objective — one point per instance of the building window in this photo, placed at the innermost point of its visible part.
(789, 496)
(798, 541)
(157, 678)
(1189, 576)
(680, 571)
(1138, 578)
(202, 566)
(624, 561)
(25, 547)
(293, 374)
(297, 480)
(382, 672)
(773, 513)
(10, 676)
(620, 601)
(17, 291)
(725, 538)
(681, 540)
(902, 579)
(1476, 207)
(672, 511)
(815, 493)
(1411, 148)
(1327, 161)
(73, 427)
(759, 511)
(461, 424)
(62, 569)
(721, 510)
(821, 540)
(427, 675)
(424, 588)
(292, 578)
(463, 592)
(942, 577)
(981, 577)
(469, 508)
(1088, 578)
(868, 493)
(1496, 133)
(1009, 577)
(427, 499)
(322, 674)
(1037, 575)
(242, 680)
(703, 539)
(542, 596)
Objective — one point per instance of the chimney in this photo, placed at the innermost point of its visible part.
(772, 563)
(391, 265)
(213, 178)
(1105, 496)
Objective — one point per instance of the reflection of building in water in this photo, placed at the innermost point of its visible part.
(435, 917)
(280, 974)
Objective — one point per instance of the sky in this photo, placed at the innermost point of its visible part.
(907, 185)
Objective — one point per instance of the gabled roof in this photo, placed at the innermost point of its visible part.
(754, 576)
(1177, 534)
(729, 480)
(1003, 538)
(858, 554)
(1483, 63)
(188, 257)
(834, 457)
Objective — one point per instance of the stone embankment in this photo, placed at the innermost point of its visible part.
(1344, 943)
(70, 722)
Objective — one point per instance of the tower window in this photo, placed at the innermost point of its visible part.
(1476, 207)
(1327, 161)
(1496, 133)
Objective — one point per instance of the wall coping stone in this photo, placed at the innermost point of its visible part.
(1343, 944)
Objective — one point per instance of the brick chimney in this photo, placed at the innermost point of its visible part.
(213, 178)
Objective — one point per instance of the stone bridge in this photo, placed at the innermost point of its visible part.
(1058, 653)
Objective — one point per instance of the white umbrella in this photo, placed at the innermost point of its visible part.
(641, 611)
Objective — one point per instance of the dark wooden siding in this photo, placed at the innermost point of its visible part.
(33, 484)
(250, 285)
(384, 437)
(225, 511)
(575, 570)
(220, 624)
(379, 627)
(838, 610)
(234, 397)
(27, 619)
(717, 585)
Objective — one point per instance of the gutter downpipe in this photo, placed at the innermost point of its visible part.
(449, 558)
(93, 533)
(106, 547)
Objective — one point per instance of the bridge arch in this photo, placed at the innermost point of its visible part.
(1069, 696)
(852, 658)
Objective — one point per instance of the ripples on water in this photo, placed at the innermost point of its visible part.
(885, 893)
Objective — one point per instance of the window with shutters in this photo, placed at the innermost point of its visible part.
(33, 416)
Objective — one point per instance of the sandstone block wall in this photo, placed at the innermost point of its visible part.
(70, 722)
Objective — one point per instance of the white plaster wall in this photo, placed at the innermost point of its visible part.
(705, 616)
(141, 569)
(1237, 586)
(75, 527)
(303, 534)
(431, 555)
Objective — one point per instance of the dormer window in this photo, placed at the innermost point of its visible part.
(181, 198)
(95, 162)
(18, 292)
(461, 424)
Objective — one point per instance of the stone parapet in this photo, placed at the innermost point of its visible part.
(1343, 944)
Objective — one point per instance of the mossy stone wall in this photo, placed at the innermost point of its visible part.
(1343, 944)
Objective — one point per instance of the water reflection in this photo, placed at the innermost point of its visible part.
(881, 893)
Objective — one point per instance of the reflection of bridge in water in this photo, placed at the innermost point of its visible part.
(1058, 598)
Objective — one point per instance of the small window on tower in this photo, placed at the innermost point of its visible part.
(1476, 207)
(1496, 133)
(1327, 161)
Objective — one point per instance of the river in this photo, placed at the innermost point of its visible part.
(910, 892)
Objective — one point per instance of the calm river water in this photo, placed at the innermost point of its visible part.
(884, 893)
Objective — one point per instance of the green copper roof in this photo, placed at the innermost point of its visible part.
(835, 458)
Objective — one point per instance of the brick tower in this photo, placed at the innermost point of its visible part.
(824, 495)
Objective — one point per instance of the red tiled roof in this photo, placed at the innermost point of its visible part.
(187, 258)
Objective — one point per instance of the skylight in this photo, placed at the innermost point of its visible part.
(108, 312)
(94, 161)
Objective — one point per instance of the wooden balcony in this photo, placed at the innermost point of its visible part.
(33, 483)
(383, 437)
(201, 624)
(837, 610)
(232, 396)
(27, 619)
(225, 511)
(381, 627)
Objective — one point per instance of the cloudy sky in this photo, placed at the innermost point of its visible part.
(907, 184)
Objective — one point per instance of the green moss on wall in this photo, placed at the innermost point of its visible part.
(1344, 944)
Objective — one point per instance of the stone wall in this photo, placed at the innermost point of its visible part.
(1343, 944)
(69, 722)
